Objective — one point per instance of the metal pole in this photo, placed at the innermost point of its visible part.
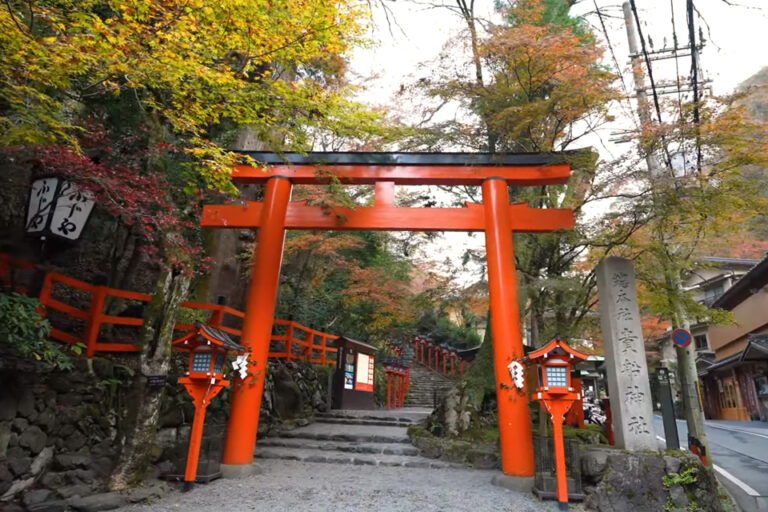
(668, 410)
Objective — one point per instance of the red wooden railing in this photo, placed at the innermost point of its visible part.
(429, 355)
(297, 343)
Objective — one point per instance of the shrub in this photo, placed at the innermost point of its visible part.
(25, 332)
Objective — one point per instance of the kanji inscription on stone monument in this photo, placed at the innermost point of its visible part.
(628, 385)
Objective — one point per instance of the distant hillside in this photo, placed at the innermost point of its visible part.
(756, 100)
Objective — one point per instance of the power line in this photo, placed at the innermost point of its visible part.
(613, 54)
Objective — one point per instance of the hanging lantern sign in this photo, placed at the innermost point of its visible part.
(58, 207)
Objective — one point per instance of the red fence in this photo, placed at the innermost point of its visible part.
(295, 342)
(437, 358)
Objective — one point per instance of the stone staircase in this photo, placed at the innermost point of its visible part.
(371, 438)
(427, 386)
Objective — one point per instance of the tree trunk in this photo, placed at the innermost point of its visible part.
(155, 359)
(689, 378)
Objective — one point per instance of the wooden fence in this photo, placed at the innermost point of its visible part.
(76, 312)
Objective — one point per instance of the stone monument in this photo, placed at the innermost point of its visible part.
(628, 385)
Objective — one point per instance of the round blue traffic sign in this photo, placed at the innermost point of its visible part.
(681, 337)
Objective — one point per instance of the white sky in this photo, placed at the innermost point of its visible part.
(737, 41)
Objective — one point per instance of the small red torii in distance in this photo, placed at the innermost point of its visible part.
(494, 173)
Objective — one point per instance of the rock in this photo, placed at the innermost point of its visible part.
(49, 506)
(672, 464)
(8, 405)
(66, 430)
(482, 459)
(288, 400)
(17, 487)
(5, 439)
(74, 490)
(75, 441)
(678, 497)
(70, 399)
(12, 507)
(6, 479)
(103, 368)
(71, 461)
(96, 502)
(17, 451)
(146, 494)
(103, 466)
(19, 425)
(33, 438)
(593, 464)
(80, 476)
(172, 418)
(166, 437)
(631, 481)
(19, 466)
(46, 419)
(60, 383)
(53, 480)
(26, 404)
(36, 497)
(42, 461)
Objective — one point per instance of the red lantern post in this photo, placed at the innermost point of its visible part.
(557, 393)
(208, 348)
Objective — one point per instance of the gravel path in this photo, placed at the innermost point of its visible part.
(311, 487)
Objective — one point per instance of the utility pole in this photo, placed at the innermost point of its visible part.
(686, 357)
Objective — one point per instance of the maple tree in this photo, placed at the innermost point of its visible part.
(534, 83)
(138, 102)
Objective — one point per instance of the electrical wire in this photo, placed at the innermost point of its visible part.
(615, 60)
(665, 149)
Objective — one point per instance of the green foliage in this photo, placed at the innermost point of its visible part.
(687, 477)
(444, 332)
(25, 332)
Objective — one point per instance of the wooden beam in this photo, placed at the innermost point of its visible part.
(524, 175)
(388, 218)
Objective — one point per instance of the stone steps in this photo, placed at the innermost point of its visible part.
(360, 459)
(365, 438)
(358, 421)
(341, 446)
(427, 386)
(355, 438)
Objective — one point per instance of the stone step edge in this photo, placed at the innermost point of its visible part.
(353, 421)
(370, 449)
(361, 438)
(366, 417)
(361, 461)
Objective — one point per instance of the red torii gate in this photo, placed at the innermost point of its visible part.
(495, 216)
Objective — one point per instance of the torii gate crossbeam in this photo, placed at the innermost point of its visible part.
(495, 216)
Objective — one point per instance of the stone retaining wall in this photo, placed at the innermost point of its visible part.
(60, 432)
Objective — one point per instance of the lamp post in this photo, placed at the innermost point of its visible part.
(208, 348)
(556, 393)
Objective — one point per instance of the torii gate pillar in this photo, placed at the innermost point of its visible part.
(257, 324)
(514, 418)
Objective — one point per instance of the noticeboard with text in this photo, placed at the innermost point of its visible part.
(364, 372)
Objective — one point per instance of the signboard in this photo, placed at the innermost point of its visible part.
(364, 374)
(681, 337)
(349, 371)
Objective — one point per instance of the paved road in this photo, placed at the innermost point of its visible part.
(739, 451)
